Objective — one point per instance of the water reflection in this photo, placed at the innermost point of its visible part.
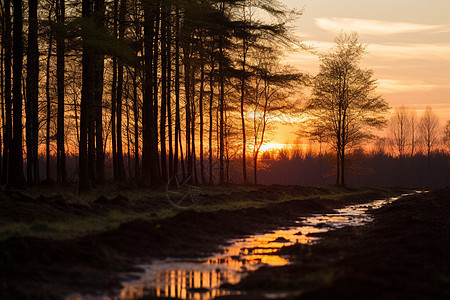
(203, 279)
(178, 283)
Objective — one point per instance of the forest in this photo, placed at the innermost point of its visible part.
(143, 92)
(159, 86)
(138, 157)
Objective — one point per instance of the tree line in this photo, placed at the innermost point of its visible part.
(156, 92)
(300, 166)
(410, 134)
(176, 85)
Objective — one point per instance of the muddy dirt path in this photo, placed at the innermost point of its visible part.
(205, 278)
(37, 268)
(402, 254)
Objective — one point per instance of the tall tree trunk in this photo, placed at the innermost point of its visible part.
(99, 149)
(128, 134)
(114, 98)
(136, 126)
(193, 121)
(183, 166)
(177, 91)
(338, 155)
(221, 105)
(343, 144)
(120, 163)
(87, 99)
(147, 109)
(244, 140)
(343, 167)
(16, 163)
(92, 172)
(255, 168)
(99, 67)
(221, 120)
(211, 98)
(48, 106)
(150, 140)
(155, 157)
(187, 91)
(32, 94)
(7, 133)
(60, 65)
(338, 166)
(169, 91)
(200, 105)
(2, 91)
(77, 120)
(164, 65)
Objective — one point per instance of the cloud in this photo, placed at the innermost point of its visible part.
(373, 27)
(411, 51)
(400, 86)
(397, 51)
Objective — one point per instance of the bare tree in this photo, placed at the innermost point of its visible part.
(32, 93)
(7, 129)
(60, 52)
(413, 124)
(99, 16)
(447, 135)
(85, 160)
(270, 96)
(399, 130)
(119, 97)
(429, 130)
(16, 177)
(343, 105)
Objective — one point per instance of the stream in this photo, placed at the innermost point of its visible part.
(202, 278)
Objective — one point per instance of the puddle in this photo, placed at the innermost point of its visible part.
(202, 278)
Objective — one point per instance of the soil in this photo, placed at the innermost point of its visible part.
(39, 268)
(402, 254)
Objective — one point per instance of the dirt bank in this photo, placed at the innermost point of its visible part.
(402, 254)
(40, 268)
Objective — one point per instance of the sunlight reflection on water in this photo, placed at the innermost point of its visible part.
(202, 278)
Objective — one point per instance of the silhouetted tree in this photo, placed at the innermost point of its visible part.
(447, 135)
(60, 78)
(270, 95)
(429, 130)
(85, 158)
(32, 93)
(344, 105)
(48, 105)
(16, 177)
(99, 16)
(150, 160)
(7, 129)
(120, 83)
(413, 124)
(114, 95)
(400, 130)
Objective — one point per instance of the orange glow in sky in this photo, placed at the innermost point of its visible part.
(408, 47)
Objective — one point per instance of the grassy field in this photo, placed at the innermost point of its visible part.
(62, 213)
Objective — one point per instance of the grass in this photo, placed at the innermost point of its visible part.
(230, 198)
(77, 227)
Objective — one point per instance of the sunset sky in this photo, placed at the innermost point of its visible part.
(408, 47)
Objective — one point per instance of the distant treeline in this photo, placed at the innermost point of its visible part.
(285, 166)
(419, 171)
